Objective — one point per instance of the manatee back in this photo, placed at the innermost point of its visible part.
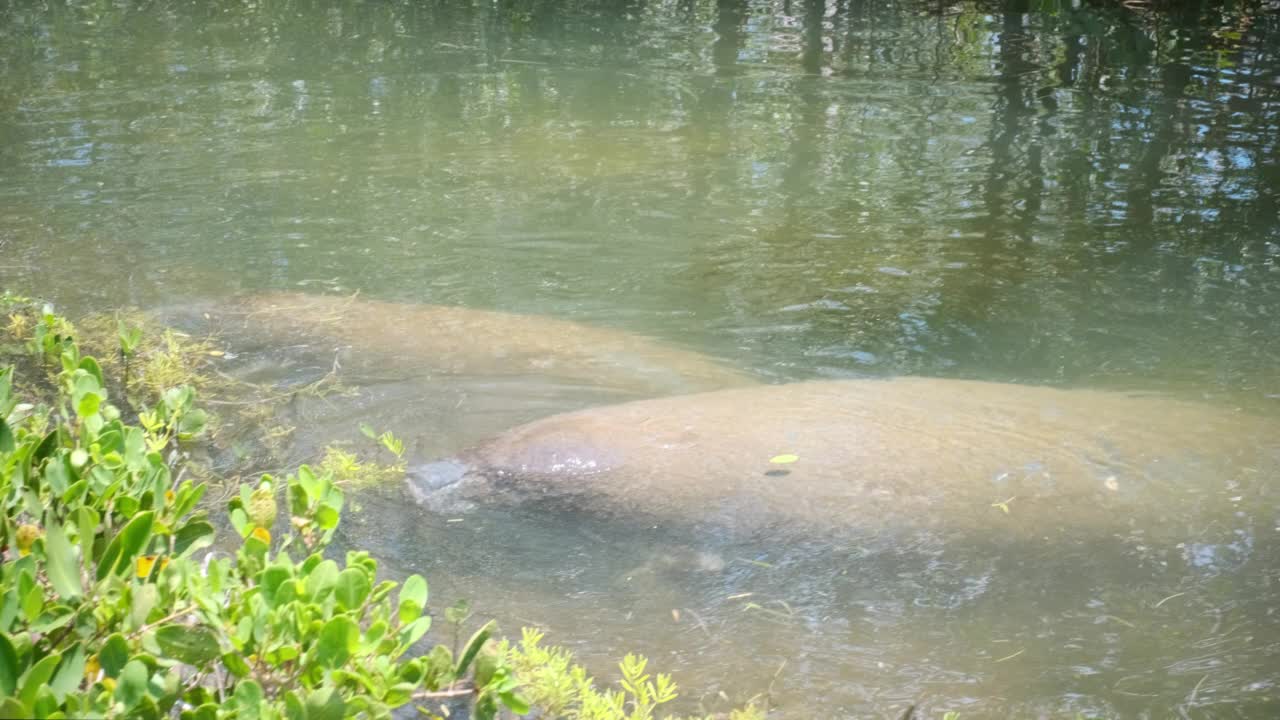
(899, 453)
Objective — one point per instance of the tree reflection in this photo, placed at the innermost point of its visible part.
(1052, 179)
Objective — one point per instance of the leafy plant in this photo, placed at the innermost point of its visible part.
(108, 610)
(561, 688)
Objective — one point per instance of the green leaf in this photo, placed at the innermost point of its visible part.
(327, 517)
(37, 677)
(322, 579)
(6, 388)
(188, 496)
(514, 703)
(87, 525)
(476, 642)
(248, 698)
(113, 655)
(191, 645)
(69, 673)
(192, 537)
(9, 669)
(6, 437)
(352, 588)
(413, 632)
(11, 708)
(325, 704)
(785, 459)
(240, 521)
(271, 581)
(413, 598)
(126, 544)
(74, 492)
(47, 445)
(207, 711)
(236, 664)
(338, 639)
(53, 617)
(293, 707)
(89, 405)
(91, 366)
(145, 598)
(63, 570)
(132, 685)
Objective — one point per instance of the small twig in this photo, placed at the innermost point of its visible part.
(459, 692)
(1191, 700)
(1010, 657)
(165, 619)
(1175, 595)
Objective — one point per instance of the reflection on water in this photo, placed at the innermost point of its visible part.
(1065, 193)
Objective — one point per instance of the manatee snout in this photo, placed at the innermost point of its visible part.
(442, 484)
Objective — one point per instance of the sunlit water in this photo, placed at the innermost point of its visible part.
(1076, 196)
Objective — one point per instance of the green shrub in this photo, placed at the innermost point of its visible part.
(105, 610)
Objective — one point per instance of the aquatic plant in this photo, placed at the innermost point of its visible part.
(348, 470)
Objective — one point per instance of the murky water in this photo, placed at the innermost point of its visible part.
(1080, 195)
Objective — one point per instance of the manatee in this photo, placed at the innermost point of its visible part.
(913, 453)
(463, 341)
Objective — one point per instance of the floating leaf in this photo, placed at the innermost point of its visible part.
(785, 459)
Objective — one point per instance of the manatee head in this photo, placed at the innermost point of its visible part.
(540, 462)
(445, 485)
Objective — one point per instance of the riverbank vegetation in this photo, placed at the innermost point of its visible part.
(126, 591)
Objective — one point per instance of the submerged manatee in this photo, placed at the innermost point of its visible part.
(875, 454)
(456, 340)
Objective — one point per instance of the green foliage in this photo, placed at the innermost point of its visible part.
(106, 610)
(552, 682)
(348, 470)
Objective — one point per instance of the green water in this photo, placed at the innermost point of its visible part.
(1041, 193)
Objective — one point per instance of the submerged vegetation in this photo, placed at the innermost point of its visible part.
(119, 597)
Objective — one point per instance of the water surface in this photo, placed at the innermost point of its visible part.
(1081, 194)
